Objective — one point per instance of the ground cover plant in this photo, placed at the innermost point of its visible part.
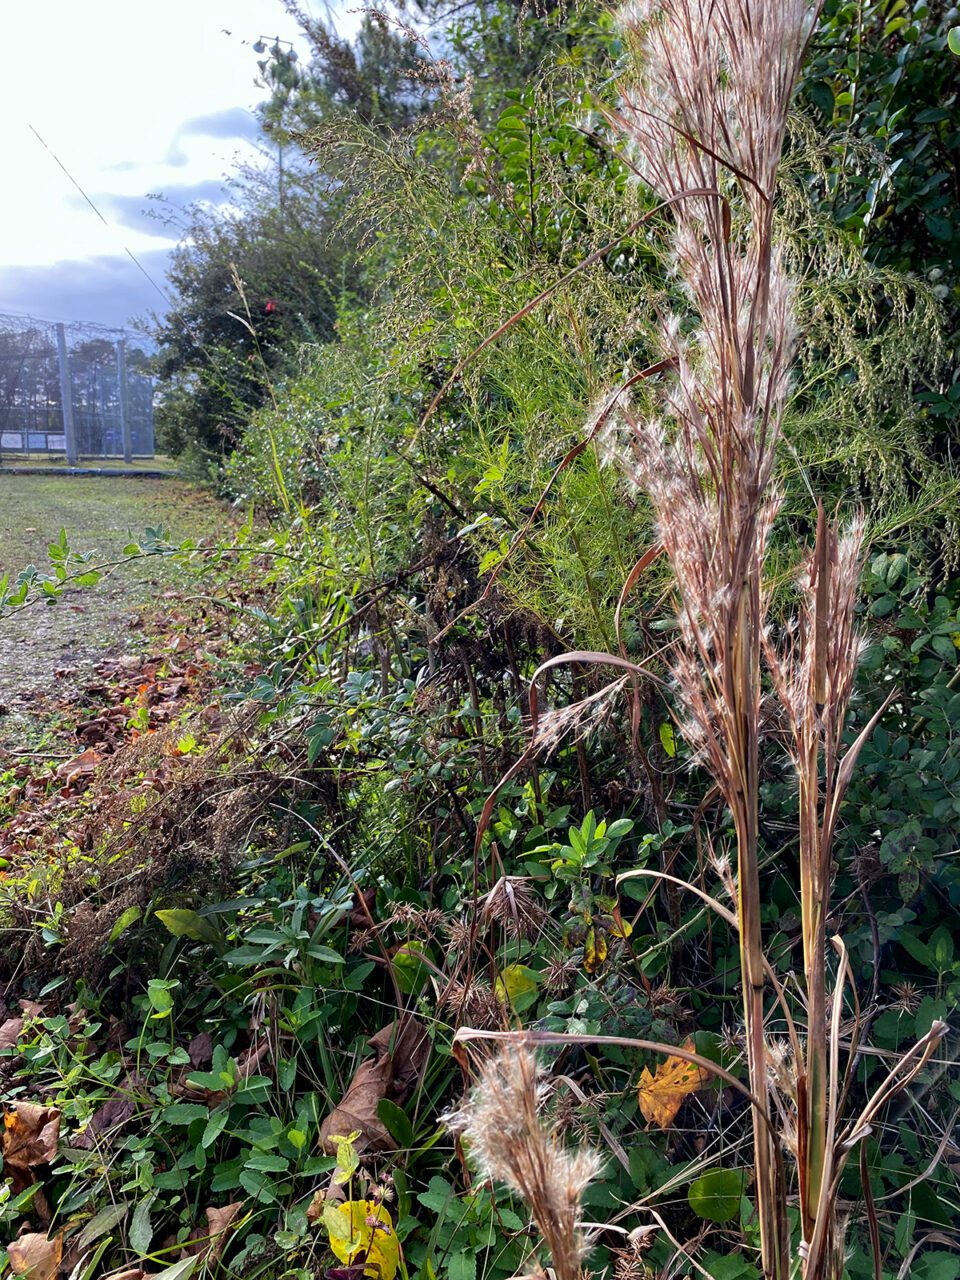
(368, 802)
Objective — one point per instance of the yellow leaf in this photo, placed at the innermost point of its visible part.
(662, 1093)
(515, 980)
(362, 1231)
(594, 950)
(620, 928)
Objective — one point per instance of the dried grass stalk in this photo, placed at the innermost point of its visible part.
(511, 1143)
(706, 122)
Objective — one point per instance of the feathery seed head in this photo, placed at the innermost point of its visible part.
(512, 1144)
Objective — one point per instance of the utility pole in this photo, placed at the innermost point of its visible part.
(124, 405)
(66, 397)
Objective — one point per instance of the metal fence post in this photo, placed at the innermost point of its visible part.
(124, 404)
(66, 397)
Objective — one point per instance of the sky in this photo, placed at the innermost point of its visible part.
(132, 98)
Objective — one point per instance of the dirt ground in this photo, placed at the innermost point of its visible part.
(102, 514)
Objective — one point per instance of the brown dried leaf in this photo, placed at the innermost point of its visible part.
(30, 1135)
(200, 1050)
(116, 1111)
(316, 1206)
(79, 766)
(410, 1050)
(247, 1066)
(662, 1093)
(209, 1242)
(10, 1033)
(35, 1256)
(250, 1059)
(402, 1049)
(361, 914)
(357, 1110)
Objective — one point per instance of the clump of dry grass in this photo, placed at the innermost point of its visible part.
(706, 121)
(512, 1143)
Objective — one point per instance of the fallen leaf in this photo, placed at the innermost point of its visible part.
(79, 766)
(116, 1111)
(361, 914)
(316, 1206)
(10, 1033)
(30, 1135)
(662, 1093)
(357, 1110)
(402, 1049)
(408, 1044)
(208, 1243)
(35, 1256)
(250, 1059)
(200, 1049)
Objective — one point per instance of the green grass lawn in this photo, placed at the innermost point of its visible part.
(101, 514)
(159, 462)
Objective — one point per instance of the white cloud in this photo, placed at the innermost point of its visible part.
(132, 98)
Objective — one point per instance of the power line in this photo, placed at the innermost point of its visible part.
(129, 252)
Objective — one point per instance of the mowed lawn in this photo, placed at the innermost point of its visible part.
(101, 514)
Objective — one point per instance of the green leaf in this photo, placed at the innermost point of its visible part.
(267, 1163)
(917, 949)
(354, 978)
(716, 1195)
(187, 924)
(729, 1267)
(462, 1266)
(160, 994)
(396, 1122)
(439, 1196)
(411, 972)
(215, 1126)
(941, 945)
(517, 985)
(930, 1207)
(953, 40)
(939, 1266)
(617, 830)
(141, 1228)
(903, 1236)
(185, 1113)
(124, 921)
(929, 1011)
(325, 954)
(179, 1271)
(258, 1185)
(101, 1223)
(668, 739)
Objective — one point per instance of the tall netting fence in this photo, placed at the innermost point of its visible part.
(79, 391)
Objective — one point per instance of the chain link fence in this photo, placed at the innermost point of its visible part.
(78, 391)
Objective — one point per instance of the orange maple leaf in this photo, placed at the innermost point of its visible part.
(662, 1093)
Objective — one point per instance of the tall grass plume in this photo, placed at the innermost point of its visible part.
(511, 1142)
